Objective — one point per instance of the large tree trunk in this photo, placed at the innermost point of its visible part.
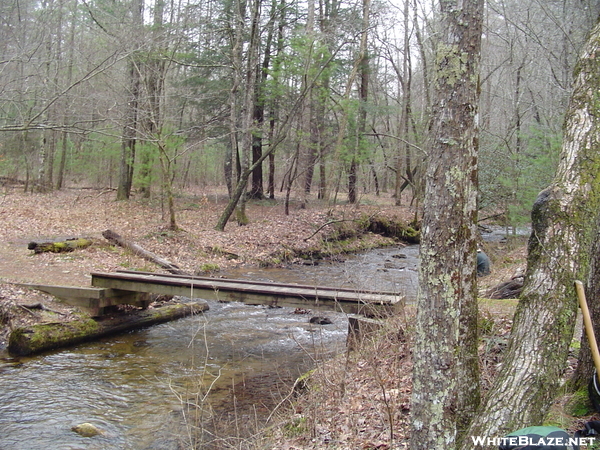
(565, 225)
(585, 366)
(446, 371)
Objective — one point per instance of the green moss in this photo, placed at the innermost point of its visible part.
(241, 217)
(301, 383)
(579, 404)
(24, 341)
(451, 64)
(394, 228)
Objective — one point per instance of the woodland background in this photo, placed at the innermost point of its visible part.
(157, 96)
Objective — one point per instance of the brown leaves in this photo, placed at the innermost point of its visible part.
(367, 398)
(270, 238)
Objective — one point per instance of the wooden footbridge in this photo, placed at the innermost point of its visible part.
(132, 287)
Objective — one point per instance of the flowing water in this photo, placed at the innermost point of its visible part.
(146, 389)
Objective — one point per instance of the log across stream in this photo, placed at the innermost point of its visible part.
(47, 336)
(145, 389)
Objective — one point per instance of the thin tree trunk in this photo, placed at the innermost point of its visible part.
(232, 170)
(248, 126)
(363, 67)
(66, 112)
(306, 151)
(257, 190)
(129, 139)
(130, 127)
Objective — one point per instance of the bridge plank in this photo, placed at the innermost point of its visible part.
(274, 294)
(264, 283)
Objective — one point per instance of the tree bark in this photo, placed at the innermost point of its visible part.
(257, 190)
(564, 227)
(129, 139)
(363, 67)
(131, 125)
(248, 105)
(446, 371)
(47, 336)
(585, 365)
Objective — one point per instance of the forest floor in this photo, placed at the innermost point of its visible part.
(369, 402)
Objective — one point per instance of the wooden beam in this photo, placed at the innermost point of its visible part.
(92, 300)
(273, 294)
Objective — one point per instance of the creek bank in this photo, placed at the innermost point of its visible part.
(28, 340)
(347, 236)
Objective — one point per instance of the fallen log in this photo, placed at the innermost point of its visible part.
(47, 336)
(508, 289)
(116, 239)
(67, 245)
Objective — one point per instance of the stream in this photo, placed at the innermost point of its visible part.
(227, 367)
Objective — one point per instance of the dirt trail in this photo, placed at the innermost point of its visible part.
(19, 265)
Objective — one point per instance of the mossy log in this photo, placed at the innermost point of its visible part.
(67, 245)
(388, 227)
(47, 336)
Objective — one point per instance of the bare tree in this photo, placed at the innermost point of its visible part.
(131, 119)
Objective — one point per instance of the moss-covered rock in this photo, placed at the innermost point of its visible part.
(86, 430)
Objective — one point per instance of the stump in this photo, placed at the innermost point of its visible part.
(361, 328)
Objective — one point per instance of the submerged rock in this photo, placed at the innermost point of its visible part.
(320, 320)
(86, 430)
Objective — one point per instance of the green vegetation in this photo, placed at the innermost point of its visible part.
(208, 268)
(511, 179)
